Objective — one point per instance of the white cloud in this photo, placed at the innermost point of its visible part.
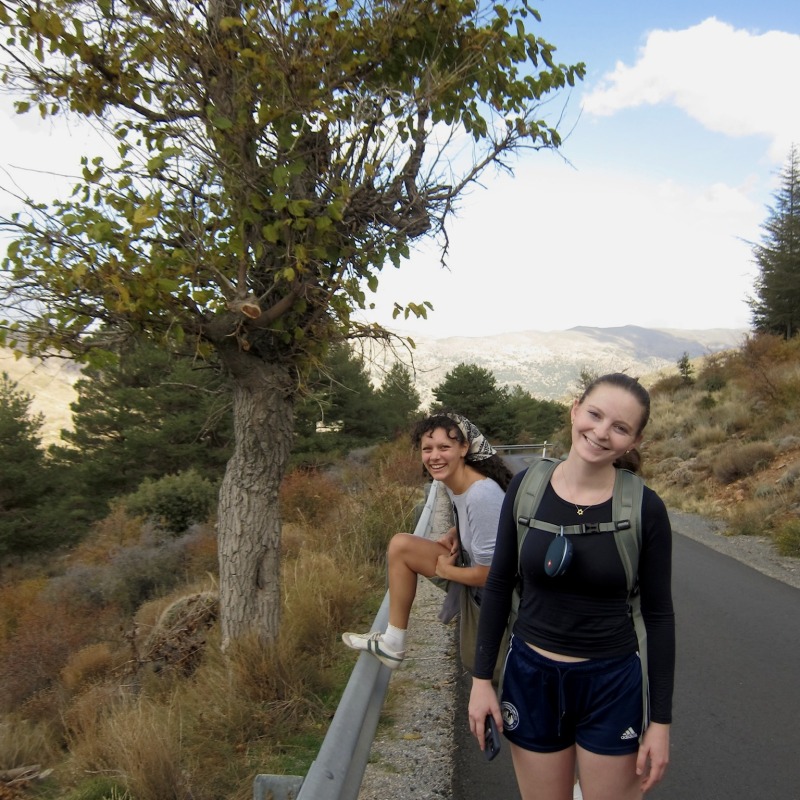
(41, 157)
(734, 82)
(554, 248)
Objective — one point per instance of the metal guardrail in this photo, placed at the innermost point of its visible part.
(519, 449)
(338, 770)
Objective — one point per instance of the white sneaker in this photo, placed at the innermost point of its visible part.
(373, 643)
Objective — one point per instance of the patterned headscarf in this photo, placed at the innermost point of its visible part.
(479, 447)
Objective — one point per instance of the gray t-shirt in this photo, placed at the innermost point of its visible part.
(478, 514)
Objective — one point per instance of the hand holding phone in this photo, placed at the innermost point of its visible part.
(491, 738)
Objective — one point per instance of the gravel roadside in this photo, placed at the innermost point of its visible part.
(412, 755)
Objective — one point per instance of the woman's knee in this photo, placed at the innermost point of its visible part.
(416, 553)
(400, 543)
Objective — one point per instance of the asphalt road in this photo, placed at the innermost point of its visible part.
(736, 728)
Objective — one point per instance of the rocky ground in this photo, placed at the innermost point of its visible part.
(412, 756)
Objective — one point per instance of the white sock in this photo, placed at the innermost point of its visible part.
(394, 638)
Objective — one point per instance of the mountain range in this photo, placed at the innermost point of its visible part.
(548, 364)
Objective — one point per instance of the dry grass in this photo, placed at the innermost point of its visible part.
(144, 704)
(139, 744)
(23, 742)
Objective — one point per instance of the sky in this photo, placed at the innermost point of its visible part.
(675, 141)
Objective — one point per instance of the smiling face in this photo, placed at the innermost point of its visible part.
(606, 424)
(442, 455)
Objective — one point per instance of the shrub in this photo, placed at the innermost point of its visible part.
(715, 372)
(787, 538)
(791, 476)
(668, 385)
(706, 402)
(740, 460)
(141, 742)
(309, 495)
(136, 574)
(130, 576)
(705, 435)
(15, 598)
(398, 462)
(86, 665)
(200, 544)
(789, 442)
(40, 648)
(753, 518)
(118, 529)
(23, 742)
(739, 420)
(174, 501)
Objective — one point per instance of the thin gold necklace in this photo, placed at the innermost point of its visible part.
(578, 509)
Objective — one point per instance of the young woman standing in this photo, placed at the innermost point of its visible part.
(572, 684)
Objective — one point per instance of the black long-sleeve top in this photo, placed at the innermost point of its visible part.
(584, 612)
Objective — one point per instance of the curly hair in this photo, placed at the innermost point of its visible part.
(493, 467)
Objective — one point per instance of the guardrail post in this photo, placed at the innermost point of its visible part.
(277, 787)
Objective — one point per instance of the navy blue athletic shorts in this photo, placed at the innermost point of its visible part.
(551, 705)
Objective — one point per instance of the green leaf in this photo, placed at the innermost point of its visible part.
(271, 232)
(229, 23)
(222, 123)
(145, 214)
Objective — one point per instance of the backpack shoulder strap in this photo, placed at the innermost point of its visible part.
(529, 495)
(627, 505)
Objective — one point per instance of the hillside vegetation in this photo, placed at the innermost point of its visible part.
(112, 683)
(725, 442)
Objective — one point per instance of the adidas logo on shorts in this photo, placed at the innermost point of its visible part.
(629, 734)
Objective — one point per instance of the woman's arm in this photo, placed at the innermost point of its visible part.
(655, 584)
(469, 576)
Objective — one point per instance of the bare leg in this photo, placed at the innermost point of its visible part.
(544, 776)
(608, 777)
(408, 557)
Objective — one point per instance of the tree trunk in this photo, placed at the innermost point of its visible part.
(249, 527)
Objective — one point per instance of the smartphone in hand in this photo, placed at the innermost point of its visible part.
(491, 738)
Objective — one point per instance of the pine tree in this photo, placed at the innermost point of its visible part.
(148, 415)
(776, 305)
(398, 400)
(351, 397)
(473, 391)
(23, 479)
(535, 420)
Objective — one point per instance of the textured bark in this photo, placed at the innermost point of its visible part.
(249, 520)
